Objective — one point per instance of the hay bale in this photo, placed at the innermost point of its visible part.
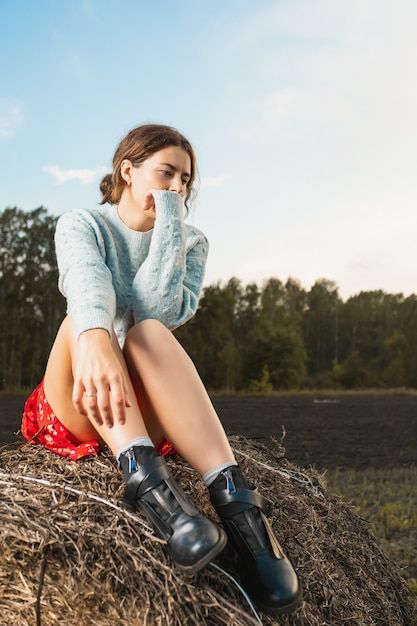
(70, 554)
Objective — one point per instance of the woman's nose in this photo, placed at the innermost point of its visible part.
(176, 184)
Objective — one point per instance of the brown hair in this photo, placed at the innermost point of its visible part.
(138, 145)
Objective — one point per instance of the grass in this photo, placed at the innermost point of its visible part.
(19, 393)
(387, 499)
(314, 393)
(276, 393)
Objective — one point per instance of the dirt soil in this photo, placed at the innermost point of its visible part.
(349, 431)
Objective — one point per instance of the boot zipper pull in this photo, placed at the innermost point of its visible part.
(231, 488)
(133, 465)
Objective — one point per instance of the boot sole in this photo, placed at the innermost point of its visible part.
(189, 570)
(287, 608)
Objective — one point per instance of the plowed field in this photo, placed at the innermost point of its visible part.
(358, 432)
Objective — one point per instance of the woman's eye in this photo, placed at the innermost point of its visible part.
(170, 174)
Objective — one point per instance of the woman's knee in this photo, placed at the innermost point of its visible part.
(148, 330)
(152, 337)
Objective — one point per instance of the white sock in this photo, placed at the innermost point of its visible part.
(210, 476)
(139, 441)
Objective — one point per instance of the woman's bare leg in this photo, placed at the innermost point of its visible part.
(175, 395)
(59, 381)
(173, 401)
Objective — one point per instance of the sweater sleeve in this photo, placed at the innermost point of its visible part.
(84, 278)
(167, 286)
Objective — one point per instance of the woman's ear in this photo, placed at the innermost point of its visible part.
(126, 171)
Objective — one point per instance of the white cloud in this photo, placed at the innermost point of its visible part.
(345, 66)
(213, 181)
(75, 65)
(318, 106)
(88, 10)
(83, 176)
(281, 104)
(11, 116)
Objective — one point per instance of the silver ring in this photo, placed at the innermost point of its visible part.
(91, 395)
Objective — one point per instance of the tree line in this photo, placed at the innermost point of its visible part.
(256, 338)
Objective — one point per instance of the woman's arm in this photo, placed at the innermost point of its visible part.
(168, 285)
(84, 278)
(100, 388)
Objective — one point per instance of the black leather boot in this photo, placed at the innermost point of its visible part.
(192, 540)
(266, 573)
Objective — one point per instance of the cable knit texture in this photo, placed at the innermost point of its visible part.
(114, 277)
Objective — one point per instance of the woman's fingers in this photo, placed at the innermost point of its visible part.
(103, 403)
(149, 201)
(103, 407)
(100, 386)
(118, 402)
(78, 397)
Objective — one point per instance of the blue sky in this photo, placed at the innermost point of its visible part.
(303, 114)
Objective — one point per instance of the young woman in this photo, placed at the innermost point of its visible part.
(131, 273)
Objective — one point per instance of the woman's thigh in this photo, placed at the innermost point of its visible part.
(59, 382)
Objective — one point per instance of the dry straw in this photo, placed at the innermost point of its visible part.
(71, 555)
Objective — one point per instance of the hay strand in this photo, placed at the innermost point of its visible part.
(71, 554)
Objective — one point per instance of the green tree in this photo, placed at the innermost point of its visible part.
(272, 335)
(367, 321)
(321, 329)
(393, 373)
(238, 334)
(209, 337)
(407, 324)
(30, 304)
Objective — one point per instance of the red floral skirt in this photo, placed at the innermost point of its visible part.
(41, 426)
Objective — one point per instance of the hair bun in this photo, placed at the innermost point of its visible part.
(106, 188)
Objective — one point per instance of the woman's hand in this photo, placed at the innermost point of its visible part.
(100, 389)
(149, 201)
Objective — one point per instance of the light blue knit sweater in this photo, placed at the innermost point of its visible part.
(113, 276)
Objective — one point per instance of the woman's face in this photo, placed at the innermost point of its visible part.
(168, 169)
